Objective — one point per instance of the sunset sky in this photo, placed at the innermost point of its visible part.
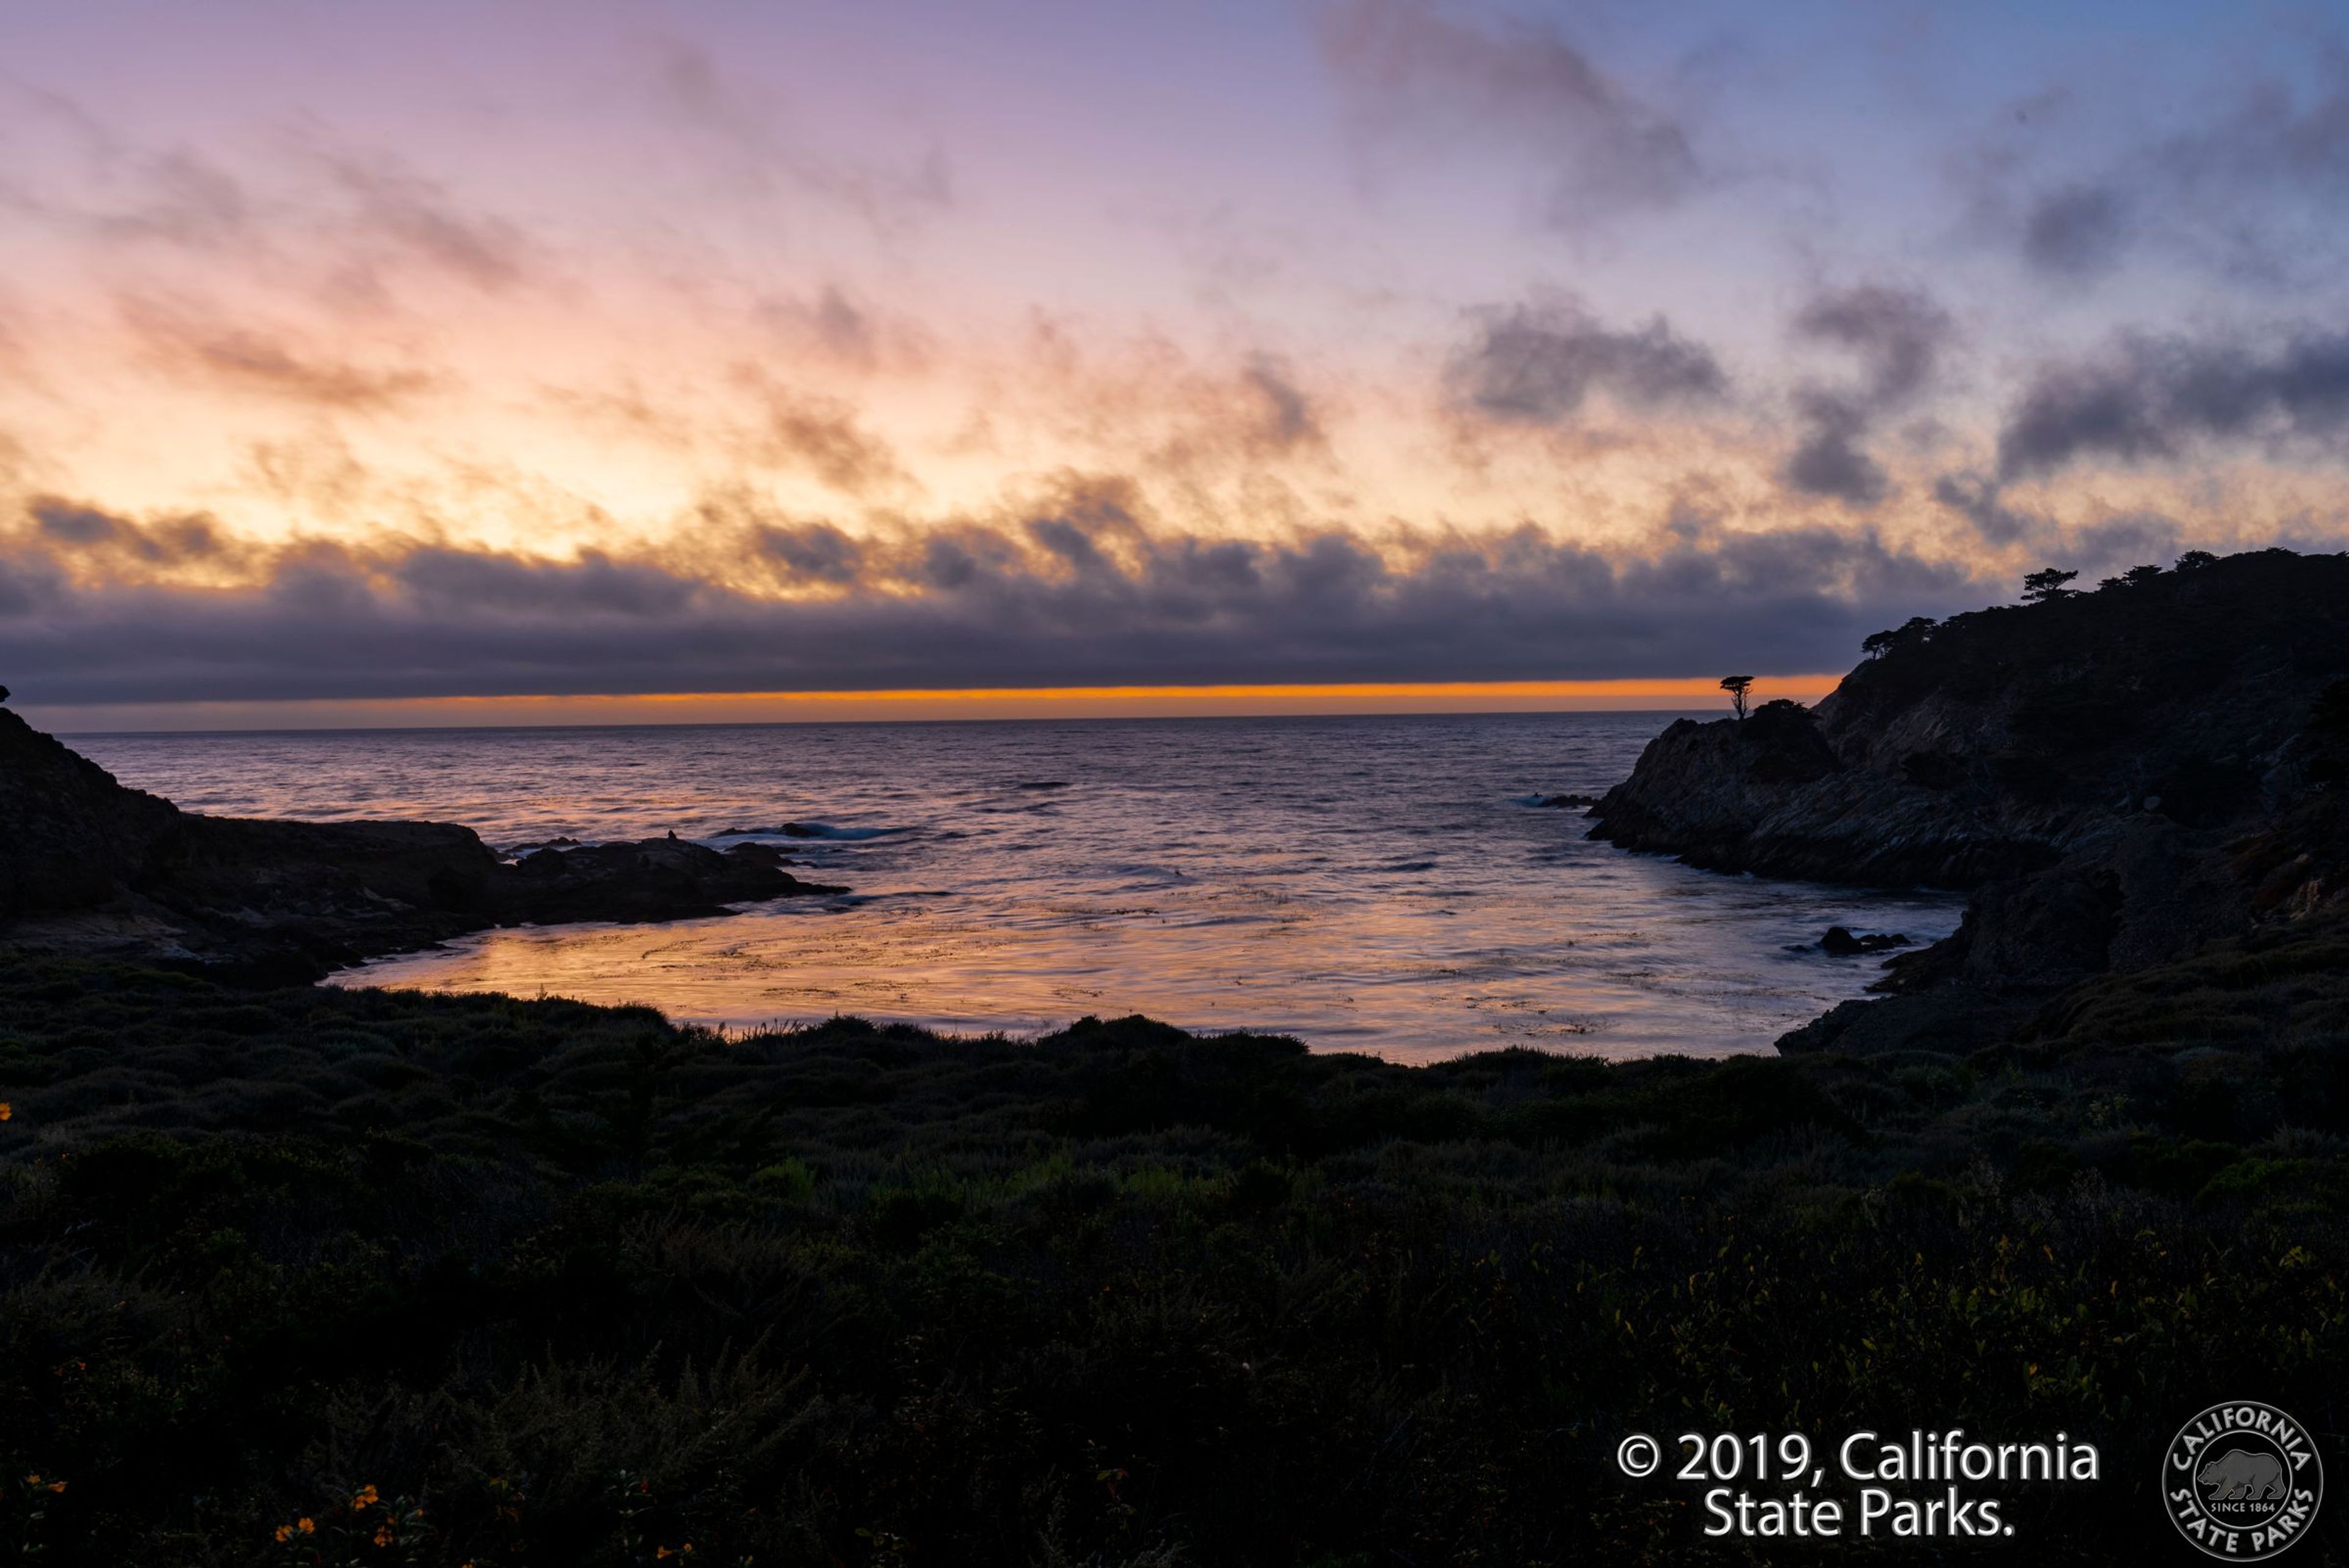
(358, 357)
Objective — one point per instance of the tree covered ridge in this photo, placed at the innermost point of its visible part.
(2223, 654)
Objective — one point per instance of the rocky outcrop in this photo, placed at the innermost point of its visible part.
(2119, 776)
(1770, 796)
(1999, 741)
(651, 880)
(1842, 942)
(69, 835)
(89, 866)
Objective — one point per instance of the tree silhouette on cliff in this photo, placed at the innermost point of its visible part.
(1918, 627)
(2040, 586)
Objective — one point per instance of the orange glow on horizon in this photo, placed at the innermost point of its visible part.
(1689, 687)
(995, 703)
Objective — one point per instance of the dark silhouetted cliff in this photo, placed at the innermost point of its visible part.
(2121, 776)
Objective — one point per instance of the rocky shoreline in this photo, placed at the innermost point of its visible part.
(93, 868)
(2121, 778)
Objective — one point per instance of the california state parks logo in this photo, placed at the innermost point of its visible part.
(2241, 1480)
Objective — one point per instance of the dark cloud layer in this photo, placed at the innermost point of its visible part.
(821, 436)
(2155, 397)
(1897, 336)
(1538, 364)
(1082, 593)
(2076, 232)
(1975, 497)
(1408, 69)
(2249, 187)
(1830, 461)
(90, 532)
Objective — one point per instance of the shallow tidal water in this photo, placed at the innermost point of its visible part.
(1364, 883)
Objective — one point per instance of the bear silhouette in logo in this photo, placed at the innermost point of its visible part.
(2238, 1473)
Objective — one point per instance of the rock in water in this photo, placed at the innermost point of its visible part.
(1840, 942)
(652, 879)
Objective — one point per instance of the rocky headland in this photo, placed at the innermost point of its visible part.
(2124, 778)
(90, 867)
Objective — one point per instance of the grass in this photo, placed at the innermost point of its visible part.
(473, 1280)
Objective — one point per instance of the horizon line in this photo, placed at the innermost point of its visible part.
(1298, 698)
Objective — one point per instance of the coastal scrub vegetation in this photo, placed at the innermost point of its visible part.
(304, 1275)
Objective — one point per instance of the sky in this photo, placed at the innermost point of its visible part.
(408, 362)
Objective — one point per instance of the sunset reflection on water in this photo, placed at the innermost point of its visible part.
(1375, 884)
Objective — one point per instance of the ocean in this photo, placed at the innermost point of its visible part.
(1383, 884)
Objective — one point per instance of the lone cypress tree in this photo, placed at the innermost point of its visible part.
(2042, 585)
(1737, 686)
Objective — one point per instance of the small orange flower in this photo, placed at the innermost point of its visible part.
(366, 1497)
(284, 1532)
(383, 1535)
(306, 1526)
(56, 1486)
(7, 1111)
(32, 1481)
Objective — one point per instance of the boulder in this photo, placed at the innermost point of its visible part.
(1841, 942)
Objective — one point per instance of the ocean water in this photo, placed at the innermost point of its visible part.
(1362, 883)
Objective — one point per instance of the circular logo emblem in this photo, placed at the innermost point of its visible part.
(2241, 1480)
